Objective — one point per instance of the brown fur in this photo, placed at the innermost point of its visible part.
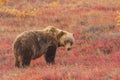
(33, 44)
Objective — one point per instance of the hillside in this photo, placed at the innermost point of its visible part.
(95, 23)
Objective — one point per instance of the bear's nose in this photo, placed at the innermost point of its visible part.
(69, 49)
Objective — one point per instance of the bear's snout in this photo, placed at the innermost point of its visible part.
(68, 46)
(68, 49)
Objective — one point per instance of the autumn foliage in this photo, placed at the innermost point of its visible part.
(95, 23)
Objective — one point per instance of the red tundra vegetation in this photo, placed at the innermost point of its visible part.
(95, 23)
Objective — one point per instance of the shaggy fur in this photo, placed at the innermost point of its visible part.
(33, 44)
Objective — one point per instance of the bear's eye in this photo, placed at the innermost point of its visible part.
(71, 43)
(68, 41)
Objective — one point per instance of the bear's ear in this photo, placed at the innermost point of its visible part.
(60, 34)
(53, 29)
(50, 29)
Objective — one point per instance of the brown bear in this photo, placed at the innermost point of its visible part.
(33, 44)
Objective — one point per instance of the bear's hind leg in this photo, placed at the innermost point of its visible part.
(50, 55)
(26, 61)
(26, 58)
(18, 62)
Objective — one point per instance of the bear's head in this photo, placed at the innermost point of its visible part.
(64, 38)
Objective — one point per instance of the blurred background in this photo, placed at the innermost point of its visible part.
(95, 23)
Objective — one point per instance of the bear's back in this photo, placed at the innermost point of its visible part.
(38, 41)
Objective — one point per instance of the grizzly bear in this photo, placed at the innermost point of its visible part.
(33, 44)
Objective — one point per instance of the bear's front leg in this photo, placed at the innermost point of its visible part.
(50, 55)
